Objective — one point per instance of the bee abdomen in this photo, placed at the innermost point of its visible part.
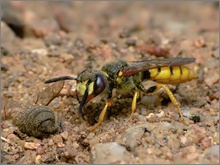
(172, 75)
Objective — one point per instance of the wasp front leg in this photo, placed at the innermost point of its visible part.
(171, 96)
(102, 115)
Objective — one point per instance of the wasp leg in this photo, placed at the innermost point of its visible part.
(171, 96)
(102, 115)
(133, 105)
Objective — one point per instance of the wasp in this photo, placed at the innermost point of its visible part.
(128, 77)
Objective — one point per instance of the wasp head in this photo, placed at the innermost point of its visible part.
(90, 83)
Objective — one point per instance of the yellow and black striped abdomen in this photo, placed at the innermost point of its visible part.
(172, 75)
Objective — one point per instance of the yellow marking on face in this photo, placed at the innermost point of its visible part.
(81, 87)
(91, 88)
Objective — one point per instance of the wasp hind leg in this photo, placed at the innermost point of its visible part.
(171, 96)
(102, 115)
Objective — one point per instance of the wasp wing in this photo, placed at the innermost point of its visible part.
(141, 66)
(45, 96)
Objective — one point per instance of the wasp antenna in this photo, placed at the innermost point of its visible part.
(59, 79)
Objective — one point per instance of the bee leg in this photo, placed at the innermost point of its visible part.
(172, 98)
(133, 105)
(102, 115)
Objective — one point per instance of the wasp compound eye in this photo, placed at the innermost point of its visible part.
(99, 84)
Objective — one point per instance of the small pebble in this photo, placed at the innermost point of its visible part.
(37, 159)
(131, 42)
(39, 150)
(57, 138)
(65, 135)
(108, 153)
(31, 145)
(93, 142)
(207, 142)
(60, 144)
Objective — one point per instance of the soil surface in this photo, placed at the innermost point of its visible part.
(42, 40)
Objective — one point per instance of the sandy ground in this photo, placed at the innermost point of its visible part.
(42, 40)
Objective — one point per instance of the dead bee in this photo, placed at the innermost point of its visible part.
(128, 77)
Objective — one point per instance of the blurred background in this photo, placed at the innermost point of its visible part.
(108, 19)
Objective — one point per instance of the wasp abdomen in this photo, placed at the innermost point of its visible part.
(172, 75)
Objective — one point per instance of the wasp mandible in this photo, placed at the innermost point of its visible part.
(129, 77)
